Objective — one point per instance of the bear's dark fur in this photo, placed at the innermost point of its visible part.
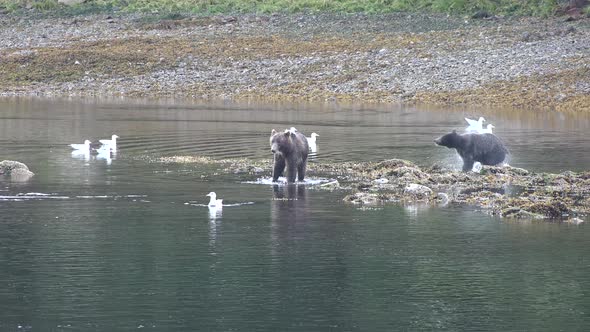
(290, 150)
(488, 149)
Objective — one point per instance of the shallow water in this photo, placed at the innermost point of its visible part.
(85, 245)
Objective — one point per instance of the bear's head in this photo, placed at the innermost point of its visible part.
(281, 143)
(450, 140)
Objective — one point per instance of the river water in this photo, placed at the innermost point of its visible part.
(127, 243)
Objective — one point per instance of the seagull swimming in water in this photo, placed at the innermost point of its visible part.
(84, 146)
(111, 143)
(214, 202)
(476, 126)
(81, 151)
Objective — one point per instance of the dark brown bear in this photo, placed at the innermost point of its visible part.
(290, 150)
(488, 149)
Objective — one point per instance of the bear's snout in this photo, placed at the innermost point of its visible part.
(274, 147)
(437, 141)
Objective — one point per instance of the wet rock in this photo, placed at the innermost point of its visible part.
(17, 171)
(364, 198)
(574, 221)
(553, 209)
(518, 213)
(442, 198)
(509, 170)
(418, 192)
(393, 163)
(409, 174)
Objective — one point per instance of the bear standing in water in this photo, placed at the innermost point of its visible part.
(488, 149)
(290, 149)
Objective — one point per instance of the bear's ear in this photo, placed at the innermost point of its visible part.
(273, 132)
(454, 131)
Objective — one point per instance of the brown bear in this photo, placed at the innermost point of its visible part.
(488, 149)
(290, 150)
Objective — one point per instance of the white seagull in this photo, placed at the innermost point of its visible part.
(311, 141)
(85, 146)
(214, 202)
(476, 126)
(111, 143)
(487, 130)
(476, 167)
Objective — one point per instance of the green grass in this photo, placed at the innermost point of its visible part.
(504, 7)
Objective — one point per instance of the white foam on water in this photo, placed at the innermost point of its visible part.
(283, 181)
(224, 205)
(30, 196)
(237, 204)
(201, 205)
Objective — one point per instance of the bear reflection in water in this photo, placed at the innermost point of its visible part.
(289, 215)
(289, 206)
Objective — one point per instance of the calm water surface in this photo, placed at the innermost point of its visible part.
(125, 244)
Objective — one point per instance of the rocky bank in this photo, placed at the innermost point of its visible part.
(412, 58)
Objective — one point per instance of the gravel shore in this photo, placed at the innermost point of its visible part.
(526, 63)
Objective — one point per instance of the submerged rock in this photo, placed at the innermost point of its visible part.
(518, 213)
(16, 170)
(364, 198)
(574, 221)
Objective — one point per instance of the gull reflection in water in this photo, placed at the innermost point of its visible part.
(215, 213)
(81, 154)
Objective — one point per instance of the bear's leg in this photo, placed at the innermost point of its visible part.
(291, 171)
(279, 167)
(467, 164)
(301, 170)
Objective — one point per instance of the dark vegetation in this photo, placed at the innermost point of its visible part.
(477, 8)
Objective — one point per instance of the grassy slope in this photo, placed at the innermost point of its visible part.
(504, 7)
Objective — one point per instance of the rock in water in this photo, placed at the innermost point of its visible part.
(16, 170)
(418, 191)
